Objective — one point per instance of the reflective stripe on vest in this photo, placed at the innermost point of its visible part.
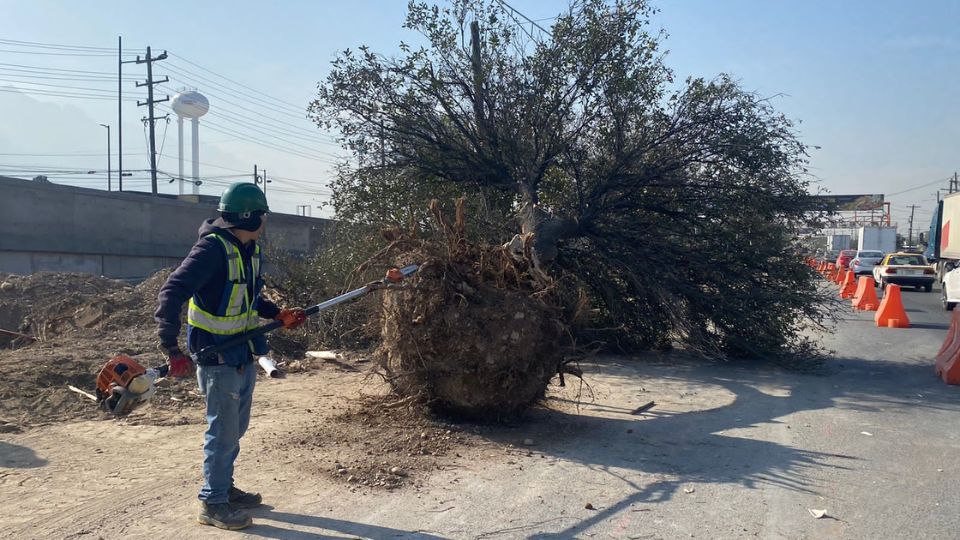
(236, 315)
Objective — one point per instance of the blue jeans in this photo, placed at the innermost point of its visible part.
(229, 394)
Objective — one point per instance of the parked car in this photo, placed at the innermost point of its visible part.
(846, 255)
(950, 289)
(864, 261)
(906, 269)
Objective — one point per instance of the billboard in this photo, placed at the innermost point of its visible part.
(850, 203)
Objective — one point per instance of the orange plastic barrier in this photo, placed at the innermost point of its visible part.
(947, 366)
(841, 273)
(866, 296)
(829, 270)
(841, 276)
(849, 287)
(891, 314)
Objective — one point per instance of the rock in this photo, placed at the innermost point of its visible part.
(589, 506)
(397, 471)
(351, 479)
(6, 286)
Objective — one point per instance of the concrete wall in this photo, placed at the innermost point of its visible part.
(45, 226)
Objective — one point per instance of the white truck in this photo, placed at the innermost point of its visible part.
(943, 240)
(837, 242)
(883, 239)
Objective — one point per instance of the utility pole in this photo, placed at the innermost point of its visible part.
(913, 207)
(259, 179)
(109, 182)
(120, 63)
(150, 83)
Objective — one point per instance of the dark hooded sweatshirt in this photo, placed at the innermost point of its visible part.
(204, 273)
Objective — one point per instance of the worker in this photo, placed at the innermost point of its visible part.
(221, 278)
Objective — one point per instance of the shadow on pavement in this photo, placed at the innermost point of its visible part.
(695, 447)
(930, 326)
(347, 529)
(19, 457)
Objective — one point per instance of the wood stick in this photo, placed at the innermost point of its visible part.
(81, 392)
(17, 334)
(644, 408)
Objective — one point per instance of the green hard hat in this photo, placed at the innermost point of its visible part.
(242, 197)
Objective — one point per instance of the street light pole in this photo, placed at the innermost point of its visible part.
(109, 173)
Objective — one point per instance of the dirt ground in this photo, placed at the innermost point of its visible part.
(60, 328)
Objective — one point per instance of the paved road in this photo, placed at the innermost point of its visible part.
(730, 451)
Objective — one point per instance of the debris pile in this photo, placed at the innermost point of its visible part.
(60, 328)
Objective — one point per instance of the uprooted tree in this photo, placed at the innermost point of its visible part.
(672, 205)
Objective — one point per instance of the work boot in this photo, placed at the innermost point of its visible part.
(223, 516)
(242, 499)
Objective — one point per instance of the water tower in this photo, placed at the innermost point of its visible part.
(190, 104)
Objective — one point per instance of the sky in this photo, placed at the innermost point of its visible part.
(870, 83)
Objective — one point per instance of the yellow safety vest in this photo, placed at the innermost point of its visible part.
(236, 313)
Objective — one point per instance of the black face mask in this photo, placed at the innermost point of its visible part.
(250, 224)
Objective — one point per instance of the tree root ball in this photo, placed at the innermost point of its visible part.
(469, 345)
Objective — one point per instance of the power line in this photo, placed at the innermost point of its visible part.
(40, 92)
(918, 187)
(288, 130)
(23, 73)
(44, 68)
(68, 86)
(227, 131)
(266, 145)
(309, 184)
(65, 154)
(288, 110)
(528, 19)
(255, 102)
(41, 53)
(40, 45)
(237, 83)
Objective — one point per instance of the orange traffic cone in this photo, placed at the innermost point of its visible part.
(866, 296)
(891, 313)
(829, 270)
(849, 287)
(947, 366)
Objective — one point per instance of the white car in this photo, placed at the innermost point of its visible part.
(950, 289)
(864, 261)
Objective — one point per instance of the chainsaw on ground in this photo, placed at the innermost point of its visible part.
(123, 384)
